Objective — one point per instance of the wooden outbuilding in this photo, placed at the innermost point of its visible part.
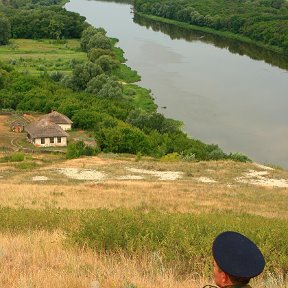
(18, 126)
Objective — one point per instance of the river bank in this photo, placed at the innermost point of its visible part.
(224, 34)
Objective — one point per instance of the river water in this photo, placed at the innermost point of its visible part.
(222, 95)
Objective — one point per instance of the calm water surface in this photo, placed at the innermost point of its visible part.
(222, 97)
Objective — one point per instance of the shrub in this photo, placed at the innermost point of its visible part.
(181, 240)
(187, 156)
(239, 157)
(26, 165)
(79, 148)
(171, 157)
(14, 157)
(56, 76)
(17, 157)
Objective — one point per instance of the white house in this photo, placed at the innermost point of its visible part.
(55, 117)
(44, 133)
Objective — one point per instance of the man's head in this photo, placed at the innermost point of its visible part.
(236, 259)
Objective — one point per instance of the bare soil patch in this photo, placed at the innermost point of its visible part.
(257, 178)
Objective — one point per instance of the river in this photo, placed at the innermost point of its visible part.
(222, 95)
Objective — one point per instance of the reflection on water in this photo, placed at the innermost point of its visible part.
(236, 47)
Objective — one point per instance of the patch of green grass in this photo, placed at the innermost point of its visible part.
(119, 53)
(126, 74)
(180, 240)
(36, 56)
(19, 220)
(26, 165)
(141, 97)
(13, 157)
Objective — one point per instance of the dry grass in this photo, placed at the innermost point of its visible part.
(17, 188)
(171, 197)
(46, 260)
(40, 259)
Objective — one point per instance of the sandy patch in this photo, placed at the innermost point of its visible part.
(263, 166)
(161, 175)
(206, 180)
(255, 174)
(40, 178)
(282, 183)
(130, 177)
(257, 178)
(81, 174)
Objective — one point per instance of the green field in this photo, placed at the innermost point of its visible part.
(38, 56)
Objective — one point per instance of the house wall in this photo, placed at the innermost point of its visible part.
(37, 142)
(65, 127)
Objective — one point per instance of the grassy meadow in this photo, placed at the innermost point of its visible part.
(130, 224)
(36, 56)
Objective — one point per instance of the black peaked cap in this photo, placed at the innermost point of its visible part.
(237, 255)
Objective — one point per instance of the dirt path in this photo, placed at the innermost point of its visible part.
(8, 139)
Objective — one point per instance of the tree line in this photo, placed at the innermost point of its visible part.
(38, 19)
(265, 21)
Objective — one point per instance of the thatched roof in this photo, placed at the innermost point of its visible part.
(57, 118)
(20, 121)
(44, 128)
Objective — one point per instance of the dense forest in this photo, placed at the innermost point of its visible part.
(96, 93)
(262, 21)
(38, 19)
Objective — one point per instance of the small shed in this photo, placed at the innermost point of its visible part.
(44, 133)
(18, 126)
(55, 117)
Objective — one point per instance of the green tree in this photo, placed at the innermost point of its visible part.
(111, 89)
(79, 148)
(5, 30)
(107, 63)
(56, 26)
(99, 40)
(95, 53)
(83, 73)
(124, 139)
(96, 83)
(87, 34)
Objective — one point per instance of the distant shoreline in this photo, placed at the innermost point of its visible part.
(224, 34)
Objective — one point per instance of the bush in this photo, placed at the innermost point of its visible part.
(26, 165)
(183, 241)
(79, 148)
(15, 220)
(171, 157)
(14, 157)
(187, 156)
(56, 76)
(239, 157)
